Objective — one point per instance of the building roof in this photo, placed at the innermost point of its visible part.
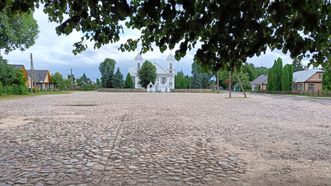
(159, 69)
(17, 66)
(171, 58)
(38, 75)
(138, 58)
(260, 80)
(303, 76)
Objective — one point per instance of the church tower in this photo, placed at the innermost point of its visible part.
(171, 71)
(139, 61)
(170, 60)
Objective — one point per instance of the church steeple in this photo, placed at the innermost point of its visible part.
(138, 60)
(170, 60)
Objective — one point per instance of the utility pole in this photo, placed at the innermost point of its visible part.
(32, 72)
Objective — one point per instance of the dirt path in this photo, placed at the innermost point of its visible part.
(92, 138)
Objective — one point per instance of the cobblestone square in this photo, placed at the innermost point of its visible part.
(94, 138)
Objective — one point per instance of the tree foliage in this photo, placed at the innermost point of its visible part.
(200, 77)
(12, 80)
(147, 73)
(287, 78)
(277, 74)
(118, 79)
(229, 31)
(17, 31)
(297, 65)
(181, 81)
(107, 68)
(270, 85)
(83, 80)
(327, 78)
(128, 81)
(59, 82)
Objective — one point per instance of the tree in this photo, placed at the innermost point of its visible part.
(58, 81)
(261, 71)
(270, 84)
(297, 65)
(181, 81)
(290, 80)
(229, 32)
(200, 78)
(118, 79)
(277, 74)
(12, 80)
(98, 83)
(107, 68)
(147, 73)
(128, 81)
(83, 80)
(17, 31)
(286, 78)
(327, 78)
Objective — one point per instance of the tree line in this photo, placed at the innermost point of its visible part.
(109, 79)
(203, 79)
(70, 83)
(280, 78)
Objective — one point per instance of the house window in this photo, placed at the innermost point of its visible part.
(320, 76)
(311, 87)
(300, 86)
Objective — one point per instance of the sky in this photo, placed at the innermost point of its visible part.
(54, 53)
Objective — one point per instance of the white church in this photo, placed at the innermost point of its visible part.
(165, 77)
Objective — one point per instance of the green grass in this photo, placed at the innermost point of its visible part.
(8, 97)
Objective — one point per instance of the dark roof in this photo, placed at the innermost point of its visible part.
(262, 79)
(17, 66)
(38, 75)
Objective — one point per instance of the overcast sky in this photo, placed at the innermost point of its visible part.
(54, 53)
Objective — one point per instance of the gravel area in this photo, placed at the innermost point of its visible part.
(93, 138)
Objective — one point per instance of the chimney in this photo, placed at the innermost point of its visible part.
(306, 68)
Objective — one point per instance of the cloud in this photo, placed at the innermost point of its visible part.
(54, 53)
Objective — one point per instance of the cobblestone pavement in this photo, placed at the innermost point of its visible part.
(93, 138)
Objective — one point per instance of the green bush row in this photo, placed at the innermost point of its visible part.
(13, 90)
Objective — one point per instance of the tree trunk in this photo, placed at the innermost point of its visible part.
(230, 84)
(218, 82)
(241, 86)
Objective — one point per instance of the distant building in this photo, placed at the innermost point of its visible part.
(303, 81)
(24, 72)
(307, 80)
(260, 83)
(41, 79)
(165, 77)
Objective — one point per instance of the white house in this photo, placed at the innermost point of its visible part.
(165, 77)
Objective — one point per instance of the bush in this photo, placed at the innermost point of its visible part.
(13, 90)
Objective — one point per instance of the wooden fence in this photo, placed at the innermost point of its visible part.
(322, 93)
